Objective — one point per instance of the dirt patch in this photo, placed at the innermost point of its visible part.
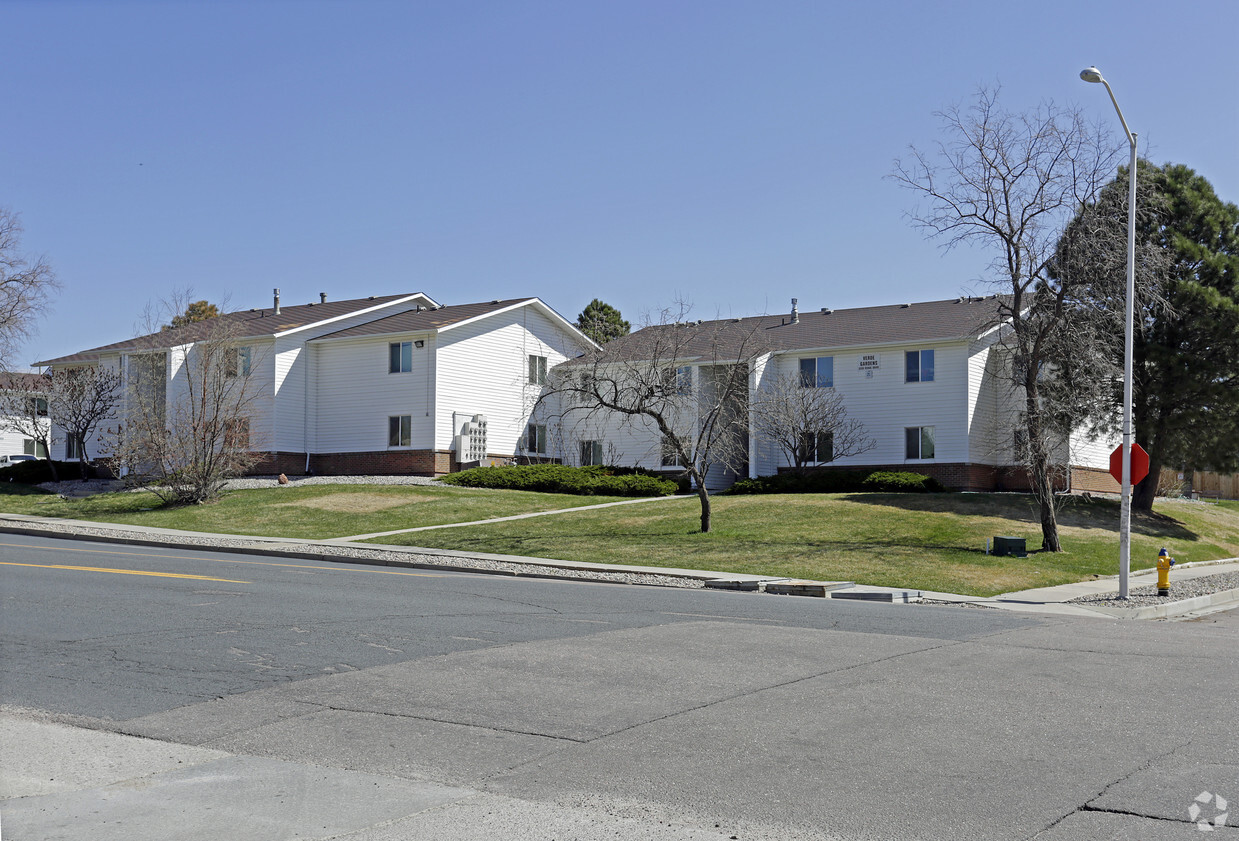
(346, 503)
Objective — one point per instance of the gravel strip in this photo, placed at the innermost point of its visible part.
(1180, 589)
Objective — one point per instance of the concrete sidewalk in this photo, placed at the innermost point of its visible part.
(1045, 600)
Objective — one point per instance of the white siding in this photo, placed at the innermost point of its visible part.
(354, 394)
(1093, 450)
(887, 405)
(482, 368)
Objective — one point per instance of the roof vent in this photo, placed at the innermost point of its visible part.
(904, 306)
(795, 311)
(827, 310)
(371, 298)
(495, 301)
(277, 302)
(322, 297)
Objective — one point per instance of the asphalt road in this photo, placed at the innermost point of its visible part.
(406, 704)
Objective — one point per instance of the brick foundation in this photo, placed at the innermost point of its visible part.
(1094, 480)
(383, 463)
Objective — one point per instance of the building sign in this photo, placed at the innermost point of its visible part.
(870, 362)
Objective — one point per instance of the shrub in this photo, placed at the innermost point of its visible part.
(887, 482)
(593, 480)
(838, 481)
(38, 471)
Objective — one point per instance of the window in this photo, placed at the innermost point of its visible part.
(920, 366)
(678, 380)
(670, 454)
(72, 449)
(1021, 445)
(920, 442)
(591, 452)
(400, 430)
(237, 361)
(237, 434)
(38, 406)
(817, 372)
(400, 359)
(34, 448)
(537, 370)
(817, 447)
(535, 437)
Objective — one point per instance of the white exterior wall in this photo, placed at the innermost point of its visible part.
(482, 368)
(13, 443)
(353, 394)
(1093, 451)
(987, 443)
(881, 400)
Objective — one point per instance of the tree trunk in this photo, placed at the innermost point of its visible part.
(1044, 491)
(81, 459)
(1142, 495)
(51, 462)
(704, 496)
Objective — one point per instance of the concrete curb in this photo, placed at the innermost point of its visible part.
(398, 556)
(406, 557)
(1169, 610)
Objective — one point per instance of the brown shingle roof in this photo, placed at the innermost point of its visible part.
(244, 324)
(949, 320)
(413, 321)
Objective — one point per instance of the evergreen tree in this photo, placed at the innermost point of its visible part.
(602, 322)
(195, 312)
(1186, 345)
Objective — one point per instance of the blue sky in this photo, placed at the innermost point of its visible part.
(731, 154)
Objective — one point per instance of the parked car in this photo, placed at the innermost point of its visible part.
(5, 461)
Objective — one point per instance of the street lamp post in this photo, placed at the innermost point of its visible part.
(1092, 74)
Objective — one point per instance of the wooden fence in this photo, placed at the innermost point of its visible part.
(1199, 483)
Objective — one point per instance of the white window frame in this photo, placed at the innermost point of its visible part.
(921, 357)
(399, 431)
(591, 453)
(399, 355)
(814, 438)
(815, 380)
(920, 440)
(535, 439)
(72, 451)
(537, 369)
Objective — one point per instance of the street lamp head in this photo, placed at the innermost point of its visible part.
(1091, 74)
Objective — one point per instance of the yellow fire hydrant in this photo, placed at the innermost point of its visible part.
(1164, 563)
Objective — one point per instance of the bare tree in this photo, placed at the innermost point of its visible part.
(187, 434)
(808, 424)
(685, 381)
(81, 399)
(25, 286)
(1012, 182)
(24, 409)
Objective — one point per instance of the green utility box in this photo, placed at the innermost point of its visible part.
(1013, 546)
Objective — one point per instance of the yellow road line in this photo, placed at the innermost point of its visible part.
(124, 572)
(339, 568)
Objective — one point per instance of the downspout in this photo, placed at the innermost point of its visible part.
(305, 400)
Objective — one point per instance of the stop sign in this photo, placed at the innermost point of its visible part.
(1139, 464)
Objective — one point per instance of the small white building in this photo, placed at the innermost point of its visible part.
(923, 378)
(379, 385)
(22, 387)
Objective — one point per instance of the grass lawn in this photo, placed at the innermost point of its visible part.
(923, 541)
(929, 542)
(310, 511)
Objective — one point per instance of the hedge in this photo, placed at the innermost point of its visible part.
(38, 471)
(839, 481)
(593, 480)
